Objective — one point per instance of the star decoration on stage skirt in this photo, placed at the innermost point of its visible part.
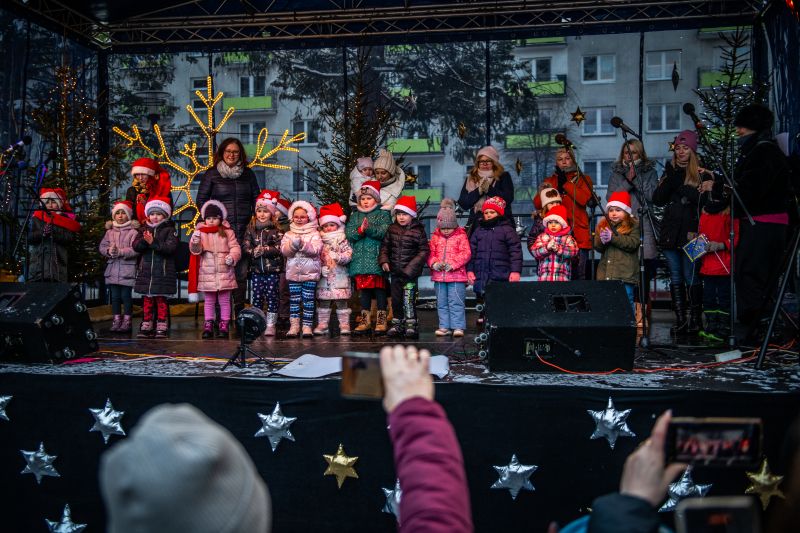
(107, 421)
(4, 400)
(611, 424)
(65, 525)
(39, 463)
(514, 476)
(765, 484)
(393, 497)
(685, 487)
(340, 465)
(275, 427)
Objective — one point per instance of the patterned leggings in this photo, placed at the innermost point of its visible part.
(305, 291)
(266, 287)
(154, 305)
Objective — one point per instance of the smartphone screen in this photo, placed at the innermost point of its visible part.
(361, 376)
(720, 514)
(720, 442)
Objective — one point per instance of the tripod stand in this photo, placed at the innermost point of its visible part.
(251, 323)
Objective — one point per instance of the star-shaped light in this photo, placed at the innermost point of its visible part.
(685, 487)
(578, 116)
(514, 477)
(3, 404)
(340, 465)
(518, 166)
(66, 525)
(765, 484)
(462, 130)
(393, 496)
(611, 424)
(107, 421)
(275, 426)
(671, 145)
(39, 463)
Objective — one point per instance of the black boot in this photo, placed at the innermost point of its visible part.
(679, 306)
(695, 309)
(411, 329)
(397, 330)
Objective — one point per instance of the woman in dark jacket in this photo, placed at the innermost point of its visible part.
(486, 179)
(678, 192)
(232, 182)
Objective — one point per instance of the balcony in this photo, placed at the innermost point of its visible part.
(431, 195)
(556, 86)
(529, 141)
(713, 32)
(707, 78)
(543, 41)
(261, 104)
(400, 92)
(415, 146)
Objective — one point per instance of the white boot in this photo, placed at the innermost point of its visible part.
(294, 327)
(272, 320)
(323, 317)
(344, 321)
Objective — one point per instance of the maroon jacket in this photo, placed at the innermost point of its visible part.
(430, 468)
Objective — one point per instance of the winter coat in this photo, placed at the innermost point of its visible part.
(537, 228)
(555, 266)
(121, 270)
(681, 206)
(621, 513)
(406, 250)
(214, 275)
(717, 228)
(271, 260)
(620, 260)
(237, 195)
(762, 177)
(48, 253)
(575, 196)
(302, 248)
(334, 283)
(156, 274)
(645, 182)
(471, 199)
(496, 252)
(452, 249)
(366, 247)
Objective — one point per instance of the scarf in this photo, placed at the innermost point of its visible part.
(365, 211)
(563, 231)
(305, 229)
(487, 179)
(123, 225)
(194, 262)
(154, 226)
(67, 221)
(229, 172)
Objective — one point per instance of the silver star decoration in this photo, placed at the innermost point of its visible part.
(514, 477)
(107, 421)
(611, 423)
(393, 497)
(685, 487)
(275, 426)
(66, 525)
(3, 404)
(39, 463)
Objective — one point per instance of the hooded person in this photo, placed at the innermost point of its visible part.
(150, 180)
(363, 171)
(334, 283)
(391, 177)
(53, 228)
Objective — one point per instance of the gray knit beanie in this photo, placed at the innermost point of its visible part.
(181, 471)
(446, 218)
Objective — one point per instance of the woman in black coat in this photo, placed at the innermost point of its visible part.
(486, 179)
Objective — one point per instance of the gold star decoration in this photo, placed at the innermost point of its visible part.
(462, 130)
(518, 166)
(765, 484)
(671, 145)
(340, 465)
(578, 116)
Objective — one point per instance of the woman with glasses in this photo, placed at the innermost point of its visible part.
(487, 178)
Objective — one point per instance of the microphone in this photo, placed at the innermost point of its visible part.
(689, 110)
(563, 141)
(26, 140)
(617, 123)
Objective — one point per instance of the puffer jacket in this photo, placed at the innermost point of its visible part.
(237, 195)
(452, 249)
(681, 208)
(214, 275)
(645, 182)
(367, 246)
(406, 249)
(620, 260)
(334, 282)
(269, 237)
(121, 270)
(496, 252)
(155, 275)
(48, 253)
(302, 248)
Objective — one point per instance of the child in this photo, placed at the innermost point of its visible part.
(117, 245)
(555, 248)
(262, 242)
(549, 198)
(156, 279)
(365, 231)
(620, 260)
(215, 252)
(53, 227)
(496, 250)
(448, 259)
(301, 246)
(334, 282)
(363, 171)
(404, 252)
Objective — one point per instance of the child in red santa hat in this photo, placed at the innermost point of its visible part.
(150, 180)
(53, 227)
(620, 260)
(555, 248)
(334, 281)
(117, 246)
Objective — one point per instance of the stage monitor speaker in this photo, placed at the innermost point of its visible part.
(576, 325)
(44, 322)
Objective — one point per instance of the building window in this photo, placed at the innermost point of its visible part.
(599, 170)
(541, 69)
(423, 174)
(598, 121)
(599, 69)
(198, 84)
(664, 117)
(248, 132)
(310, 127)
(252, 86)
(660, 64)
(303, 180)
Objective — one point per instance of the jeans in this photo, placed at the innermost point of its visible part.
(630, 288)
(681, 269)
(717, 293)
(450, 297)
(121, 297)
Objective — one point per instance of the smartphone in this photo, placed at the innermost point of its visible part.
(715, 442)
(361, 376)
(718, 514)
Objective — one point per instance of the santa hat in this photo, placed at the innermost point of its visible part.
(549, 195)
(385, 161)
(58, 194)
(406, 204)
(283, 206)
(148, 166)
(490, 152)
(332, 213)
(159, 203)
(496, 203)
(268, 200)
(122, 205)
(621, 199)
(557, 214)
(371, 188)
(687, 138)
(302, 204)
(213, 208)
(364, 162)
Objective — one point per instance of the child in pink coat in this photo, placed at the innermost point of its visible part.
(215, 252)
(450, 253)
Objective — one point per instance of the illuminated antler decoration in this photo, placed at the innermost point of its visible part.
(189, 151)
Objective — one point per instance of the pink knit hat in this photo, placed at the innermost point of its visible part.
(490, 152)
(687, 138)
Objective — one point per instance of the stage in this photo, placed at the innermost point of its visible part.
(542, 418)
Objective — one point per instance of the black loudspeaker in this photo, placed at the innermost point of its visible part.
(44, 322)
(576, 325)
